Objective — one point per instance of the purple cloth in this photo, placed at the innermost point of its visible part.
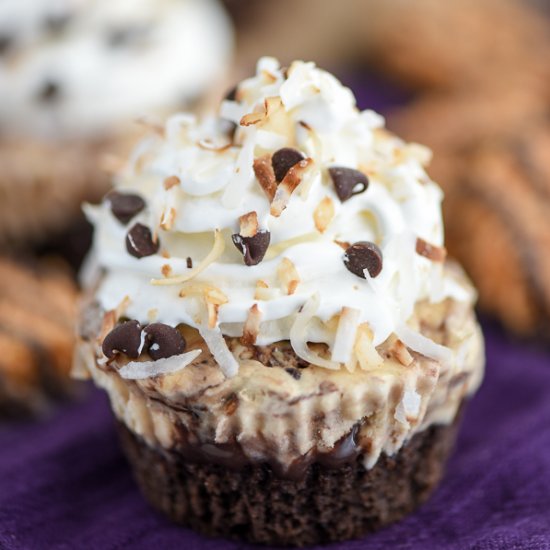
(65, 484)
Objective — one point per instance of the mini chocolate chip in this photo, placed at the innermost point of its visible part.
(295, 373)
(163, 341)
(189, 263)
(253, 248)
(283, 160)
(139, 241)
(6, 43)
(363, 255)
(348, 182)
(50, 92)
(125, 206)
(124, 338)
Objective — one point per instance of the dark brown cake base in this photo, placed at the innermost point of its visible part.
(254, 504)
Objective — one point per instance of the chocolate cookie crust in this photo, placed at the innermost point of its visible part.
(326, 505)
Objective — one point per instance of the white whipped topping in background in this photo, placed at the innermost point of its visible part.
(400, 205)
(175, 49)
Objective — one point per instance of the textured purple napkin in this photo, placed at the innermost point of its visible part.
(64, 483)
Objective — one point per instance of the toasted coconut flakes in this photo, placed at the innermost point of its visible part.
(252, 326)
(343, 244)
(210, 293)
(263, 169)
(276, 249)
(323, 214)
(171, 181)
(423, 345)
(299, 335)
(288, 276)
(213, 255)
(401, 353)
(216, 147)
(212, 310)
(167, 220)
(252, 118)
(166, 270)
(430, 251)
(365, 351)
(141, 370)
(152, 124)
(421, 153)
(248, 224)
(284, 191)
(345, 335)
(218, 348)
(263, 291)
(107, 324)
(165, 254)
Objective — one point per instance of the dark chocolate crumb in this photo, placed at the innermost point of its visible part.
(140, 243)
(283, 160)
(295, 373)
(163, 341)
(125, 206)
(253, 248)
(189, 262)
(363, 255)
(50, 92)
(348, 182)
(124, 338)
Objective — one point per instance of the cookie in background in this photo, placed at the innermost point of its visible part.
(37, 308)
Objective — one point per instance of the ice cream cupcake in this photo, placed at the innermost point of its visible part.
(75, 74)
(286, 348)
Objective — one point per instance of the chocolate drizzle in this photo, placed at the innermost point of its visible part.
(232, 456)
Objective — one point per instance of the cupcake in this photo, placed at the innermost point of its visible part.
(74, 77)
(285, 347)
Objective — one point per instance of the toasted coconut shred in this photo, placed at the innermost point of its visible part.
(217, 177)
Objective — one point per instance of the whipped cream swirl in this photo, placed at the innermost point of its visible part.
(203, 184)
(79, 67)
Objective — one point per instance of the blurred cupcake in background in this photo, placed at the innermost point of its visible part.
(73, 71)
(75, 75)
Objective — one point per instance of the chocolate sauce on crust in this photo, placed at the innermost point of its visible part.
(255, 504)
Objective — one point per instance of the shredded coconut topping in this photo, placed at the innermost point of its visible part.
(333, 317)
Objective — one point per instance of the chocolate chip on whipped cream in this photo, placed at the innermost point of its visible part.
(163, 341)
(363, 256)
(140, 242)
(124, 338)
(125, 206)
(348, 181)
(251, 241)
(283, 160)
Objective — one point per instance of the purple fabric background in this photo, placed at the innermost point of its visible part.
(64, 483)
